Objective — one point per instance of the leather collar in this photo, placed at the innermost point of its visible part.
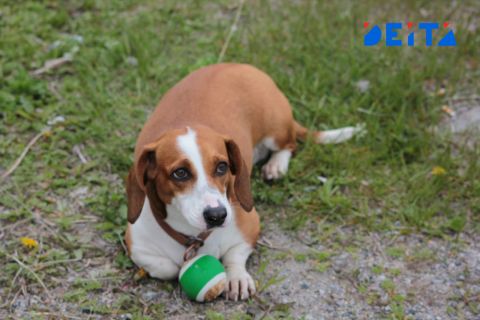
(191, 243)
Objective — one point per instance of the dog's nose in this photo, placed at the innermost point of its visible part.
(214, 217)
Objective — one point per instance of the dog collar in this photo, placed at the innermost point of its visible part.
(191, 243)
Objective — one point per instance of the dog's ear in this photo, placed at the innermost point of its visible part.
(239, 169)
(135, 196)
(141, 182)
(146, 166)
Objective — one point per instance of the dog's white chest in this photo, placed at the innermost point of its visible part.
(150, 241)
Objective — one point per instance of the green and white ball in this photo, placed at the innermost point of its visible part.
(203, 278)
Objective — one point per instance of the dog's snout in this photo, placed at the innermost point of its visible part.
(214, 217)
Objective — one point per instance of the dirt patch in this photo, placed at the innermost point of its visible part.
(427, 277)
(361, 276)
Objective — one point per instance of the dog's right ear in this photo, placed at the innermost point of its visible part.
(135, 196)
(146, 166)
(141, 182)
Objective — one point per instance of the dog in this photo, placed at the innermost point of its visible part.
(189, 185)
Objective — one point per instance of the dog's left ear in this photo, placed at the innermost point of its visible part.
(242, 176)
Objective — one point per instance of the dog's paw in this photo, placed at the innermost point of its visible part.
(277, 166)
(239, 285)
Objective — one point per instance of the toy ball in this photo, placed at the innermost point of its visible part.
(202, 278)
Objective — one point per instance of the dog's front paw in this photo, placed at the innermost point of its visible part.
(240, 285)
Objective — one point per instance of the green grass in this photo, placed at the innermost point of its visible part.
(130, 52)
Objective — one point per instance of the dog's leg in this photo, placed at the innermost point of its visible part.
(240, 284)
(157, 266)
(281, 143)
(277, 165)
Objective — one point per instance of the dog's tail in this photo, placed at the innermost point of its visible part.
(329, 136)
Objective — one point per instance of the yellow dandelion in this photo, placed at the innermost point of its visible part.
(438, 171)
(29, 243)
(47, 133)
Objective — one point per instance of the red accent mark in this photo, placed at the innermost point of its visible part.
(410, 25)
(445, 24)
(365, 24)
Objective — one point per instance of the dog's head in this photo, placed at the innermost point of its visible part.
(195, 174)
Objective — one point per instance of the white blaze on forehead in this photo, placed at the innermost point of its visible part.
(187, 143)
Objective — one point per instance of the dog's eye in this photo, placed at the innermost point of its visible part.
(181, 174)
(222, 168)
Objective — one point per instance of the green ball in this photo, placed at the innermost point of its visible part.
(202, 278)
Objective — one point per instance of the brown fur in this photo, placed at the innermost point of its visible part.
(232, 107)
(236, 100)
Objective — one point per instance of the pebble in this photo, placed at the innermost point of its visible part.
(341, 262)
(150, 295)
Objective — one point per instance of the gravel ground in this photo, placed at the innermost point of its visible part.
(432, 275)
(435, 278)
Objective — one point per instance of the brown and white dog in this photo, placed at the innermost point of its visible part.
(192, 168)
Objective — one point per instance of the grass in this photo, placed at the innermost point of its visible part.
(126, 54)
